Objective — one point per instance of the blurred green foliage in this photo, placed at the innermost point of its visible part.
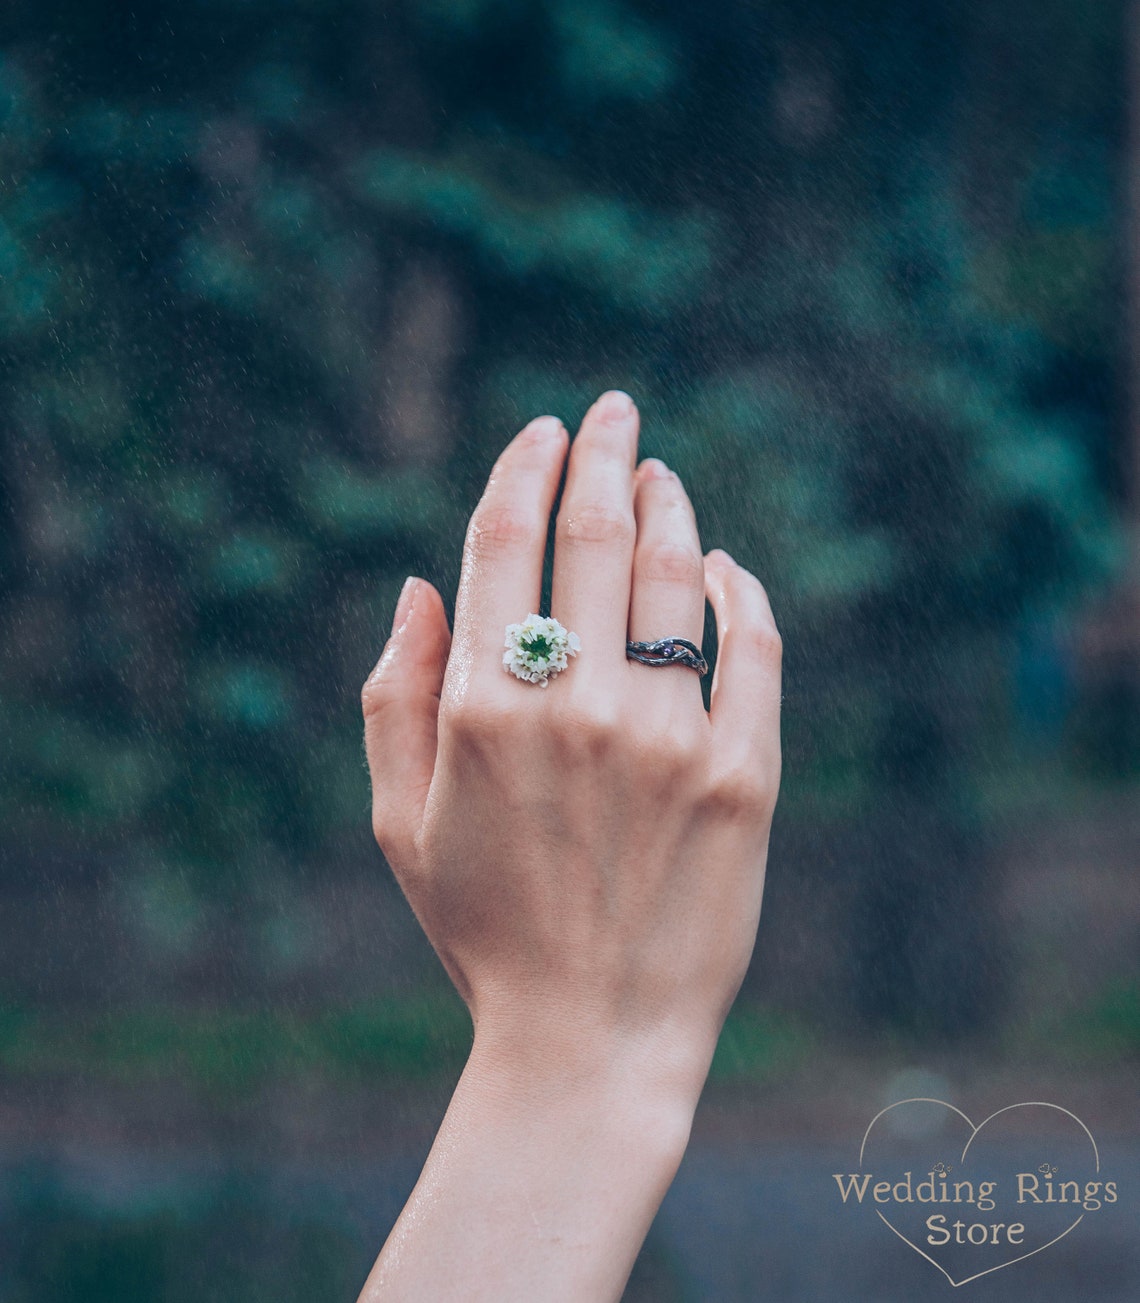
(232, 1053)
(278, 280)
(237, 1244)
(229, 1054)
(1107, 1030)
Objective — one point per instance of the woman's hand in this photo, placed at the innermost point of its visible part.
(587, 859)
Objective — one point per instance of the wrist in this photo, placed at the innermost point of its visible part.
(550, 1164)
(556, 1151)
(647, 1081)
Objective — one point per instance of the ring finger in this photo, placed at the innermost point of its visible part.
(668, 592)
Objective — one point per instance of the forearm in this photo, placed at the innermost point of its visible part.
(544, 1177)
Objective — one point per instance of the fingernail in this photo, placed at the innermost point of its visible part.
(653, 468)
(404, 605)
(542, 427)
(614, 405)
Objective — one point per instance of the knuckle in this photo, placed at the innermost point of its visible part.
(667, 757)
(765, 642)
(380, 826)
(482, 726)
(772, 645)
(591, 730)
(469, 719)
(673, 563)
(375, 694)
(396, 845)
(759, 624)
(737, 795)
(497, 529)
(673, 733)
(385, 829)
(595, 522)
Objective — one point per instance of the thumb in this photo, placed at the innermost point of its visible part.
(400, 701)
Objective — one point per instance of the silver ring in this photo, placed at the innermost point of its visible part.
(668, 651)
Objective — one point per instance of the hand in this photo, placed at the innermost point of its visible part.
(587, 859)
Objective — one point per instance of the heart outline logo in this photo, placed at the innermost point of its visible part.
(974, 1130)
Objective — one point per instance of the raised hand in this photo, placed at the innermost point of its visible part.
(586, 858)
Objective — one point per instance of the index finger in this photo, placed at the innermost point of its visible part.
(501, 577)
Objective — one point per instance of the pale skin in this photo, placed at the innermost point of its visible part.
(587, 860)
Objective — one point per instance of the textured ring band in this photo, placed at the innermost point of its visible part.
(668, 651)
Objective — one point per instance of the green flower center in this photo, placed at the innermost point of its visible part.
(538, 645)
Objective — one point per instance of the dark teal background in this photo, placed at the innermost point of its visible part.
(277, 282)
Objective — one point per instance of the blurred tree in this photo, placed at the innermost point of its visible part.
(279, 278)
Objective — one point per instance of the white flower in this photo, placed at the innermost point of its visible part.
(539, 648)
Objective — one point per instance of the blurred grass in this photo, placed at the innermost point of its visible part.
(421, 1038)
(758, 1045)
(237, 1247)
(1097, 1033)
(1108, 1029)
(234, 1052)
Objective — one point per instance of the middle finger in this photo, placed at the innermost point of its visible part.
(594, 535)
